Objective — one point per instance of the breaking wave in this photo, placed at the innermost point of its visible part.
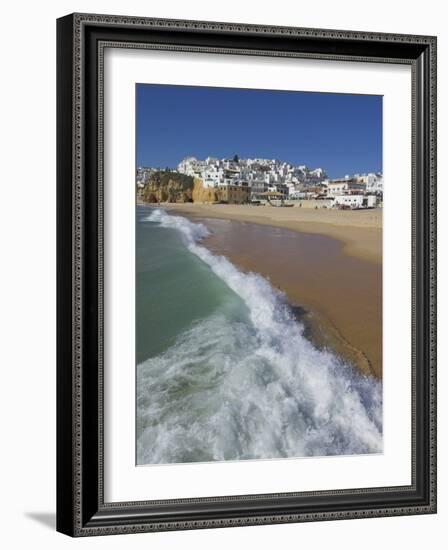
(250, 386)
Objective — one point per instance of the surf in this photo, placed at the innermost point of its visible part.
(247, 384)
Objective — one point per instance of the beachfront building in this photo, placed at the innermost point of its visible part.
(259, 174)
(355, 202)
(345, 186)
(372, 180)
(297, 195)
(294, 182)
(374, 183)
(234, 194)
(256, 189)
(281, 188)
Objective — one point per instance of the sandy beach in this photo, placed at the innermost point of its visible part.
(329, 265)
(360, 231)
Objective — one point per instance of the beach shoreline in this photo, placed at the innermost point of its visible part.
(317, 267)
(360, 231)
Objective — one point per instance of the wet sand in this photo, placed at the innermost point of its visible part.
(359, 231)
(337, 296)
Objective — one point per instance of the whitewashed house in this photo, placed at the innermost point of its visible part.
(212, 176)
(355, 202)
(374, 183)
(344, 187)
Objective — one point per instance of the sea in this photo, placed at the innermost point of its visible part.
(224, 368)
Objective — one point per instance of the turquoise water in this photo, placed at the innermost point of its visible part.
(224, 370)
(174, 288)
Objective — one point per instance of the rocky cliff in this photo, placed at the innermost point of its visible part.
(201, 194)
(167, 186)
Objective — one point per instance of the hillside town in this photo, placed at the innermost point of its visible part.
(271, 181)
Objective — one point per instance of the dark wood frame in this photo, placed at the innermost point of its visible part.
(81, 39)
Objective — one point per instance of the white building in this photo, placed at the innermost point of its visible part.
(374, 183)
(212, 161)
(212, 176)
(273, 173)
(355, 202)
(191, 166)
(344, 187)
(294, 195)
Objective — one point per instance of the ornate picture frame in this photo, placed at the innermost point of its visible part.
(81, 42)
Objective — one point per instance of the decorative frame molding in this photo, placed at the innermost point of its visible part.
(81, 42)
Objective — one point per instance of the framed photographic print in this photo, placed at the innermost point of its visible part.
(246, 274)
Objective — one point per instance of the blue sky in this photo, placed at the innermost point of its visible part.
(341, 133)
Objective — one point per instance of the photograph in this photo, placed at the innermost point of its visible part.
(258, 274)
(246, 312)
(222, 240)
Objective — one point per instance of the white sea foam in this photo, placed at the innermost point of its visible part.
(252, 388)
